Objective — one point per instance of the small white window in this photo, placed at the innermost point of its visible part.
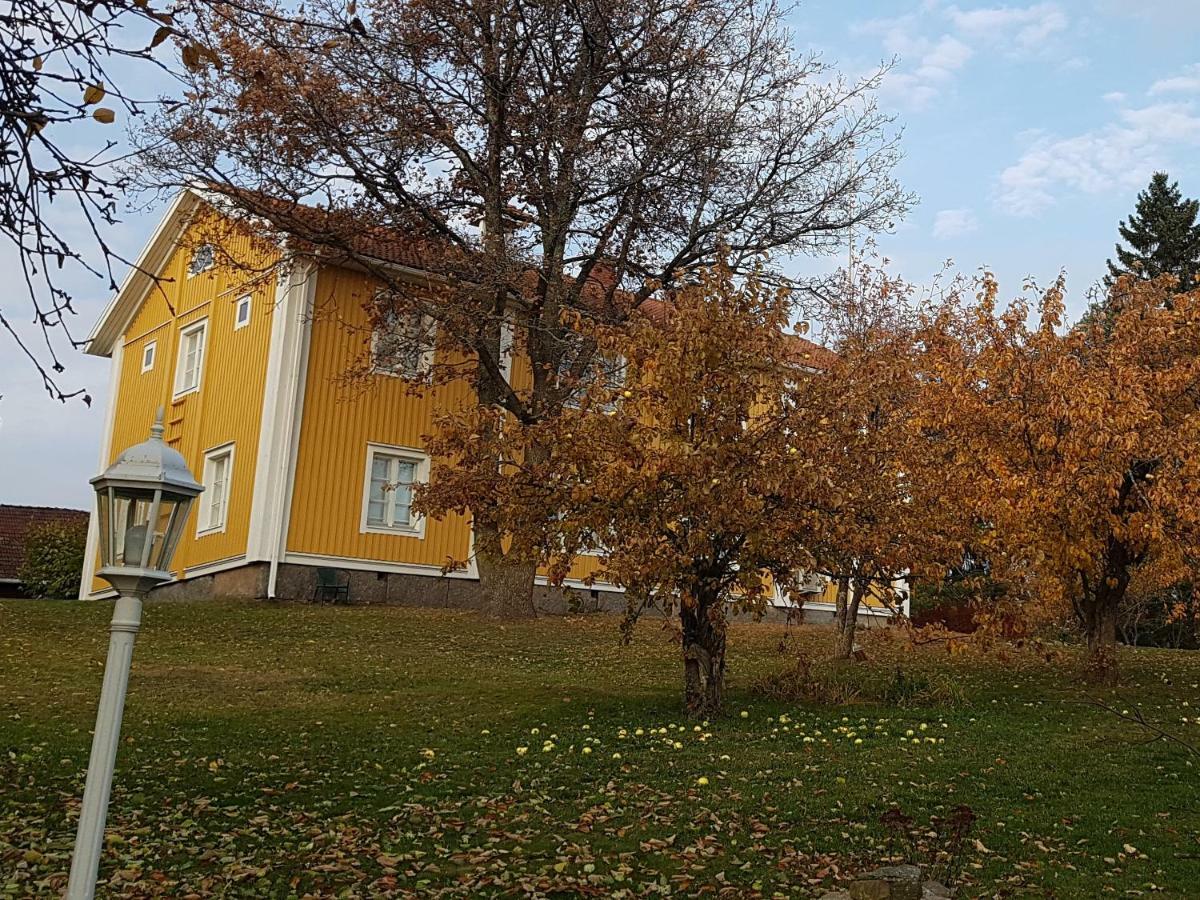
(214, 502)
(191, 358)
(609, 372)
(387, 493)
(402, 344)
(241, 313)
(201, 260)
(148, 356)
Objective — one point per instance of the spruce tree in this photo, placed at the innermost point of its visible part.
(1162, 235)
(1163, 239)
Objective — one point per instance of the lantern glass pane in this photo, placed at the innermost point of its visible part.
(131, 525)
(172, 512)
(103, 517)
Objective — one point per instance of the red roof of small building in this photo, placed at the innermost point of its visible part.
(15, 522)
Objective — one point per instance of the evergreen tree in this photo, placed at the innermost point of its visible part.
(1162, 235)
(1163, 238)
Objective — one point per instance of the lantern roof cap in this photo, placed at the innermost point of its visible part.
(151, 464)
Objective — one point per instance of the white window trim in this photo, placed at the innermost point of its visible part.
(199, 325)
(237, 305)
(507, 347)
(416, 527)
(424, 365)
(151, 348)
(202, 516)
(211, 263)
(620, 367)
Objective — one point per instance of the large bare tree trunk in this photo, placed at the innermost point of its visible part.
(703, 623)
(505, 579)
(505, 582)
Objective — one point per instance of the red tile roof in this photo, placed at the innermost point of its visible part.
(323, 229)
(15, 522)
(803, 351)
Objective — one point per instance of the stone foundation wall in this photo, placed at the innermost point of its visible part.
(296, 582)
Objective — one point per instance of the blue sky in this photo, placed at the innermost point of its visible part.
(1028, 129)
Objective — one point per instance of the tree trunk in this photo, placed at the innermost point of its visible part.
(841, 608)
(850, 595)
(1190, 639)
(1100, 627)
(703, 622)
(505, 582)
(1100, 610)
(505, 579)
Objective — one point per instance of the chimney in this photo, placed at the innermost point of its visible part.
(603, 276)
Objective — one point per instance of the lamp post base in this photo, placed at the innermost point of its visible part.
(89, 839)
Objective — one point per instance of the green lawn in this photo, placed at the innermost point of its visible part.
(290, 750)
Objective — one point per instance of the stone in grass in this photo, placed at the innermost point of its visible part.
(888, 883)
(935, 890)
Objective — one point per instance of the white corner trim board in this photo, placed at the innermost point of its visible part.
(92, 547)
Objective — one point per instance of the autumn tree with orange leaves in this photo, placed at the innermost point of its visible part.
(885, 510)
(682, 474)
(1080, 450)
(543, 159)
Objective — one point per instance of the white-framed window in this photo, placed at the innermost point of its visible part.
(148, 353)
(590, 543)
(190, 364)
(214, 502)
(402, 343)
(201, 260)
(388, 488)
(241, 312)
(607, 371)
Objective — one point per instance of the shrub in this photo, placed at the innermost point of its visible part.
(1166, 618)
(832, 683)
(799, 683)
(54, 559)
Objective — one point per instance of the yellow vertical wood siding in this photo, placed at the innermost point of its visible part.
(228, 407)
(341, 417)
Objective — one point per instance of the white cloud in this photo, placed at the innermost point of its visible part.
(929, 63)
(935, 43)
(1169, 15)
(1187, 83)
(951, 223)
(1030, 26)
(1114, 97)
(1121, 154)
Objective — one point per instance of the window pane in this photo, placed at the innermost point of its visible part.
(202, 258)
(405, 474)
(377, 492)
(216, 490)
(400, 341)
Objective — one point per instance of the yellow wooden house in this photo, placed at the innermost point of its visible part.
(248, 362)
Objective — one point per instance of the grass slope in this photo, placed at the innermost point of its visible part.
(295, 750)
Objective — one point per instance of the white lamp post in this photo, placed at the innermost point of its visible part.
(142, 501)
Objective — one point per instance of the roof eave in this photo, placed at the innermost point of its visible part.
(140, 279)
